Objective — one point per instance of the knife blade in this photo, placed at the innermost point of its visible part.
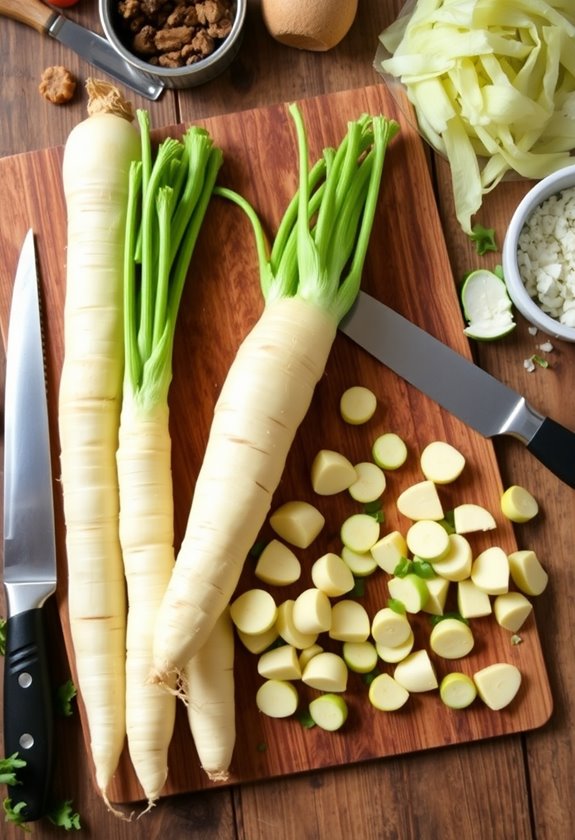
(29, 544)
(93, 48)
(458, 385)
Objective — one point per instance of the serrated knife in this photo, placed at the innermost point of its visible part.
(90, 46)
(463, 388)
(29, 544)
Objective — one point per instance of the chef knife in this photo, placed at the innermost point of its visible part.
(93, 48)
(29, 544)
(464, 389)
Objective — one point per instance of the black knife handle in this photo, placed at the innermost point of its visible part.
(554, 446)
(28, 718)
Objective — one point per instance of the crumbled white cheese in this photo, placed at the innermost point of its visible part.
(546, 256)
(529, 365)
(546, 347)
(532, 330)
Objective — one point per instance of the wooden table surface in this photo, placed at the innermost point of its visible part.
(514, 787)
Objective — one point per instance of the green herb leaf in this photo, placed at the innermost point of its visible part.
(62, 815)
(306, 719)
(2, 636)
(369, 678)
(539, 360)
(484, 239)
(257, 549)
(403, 568)
(396, 605)
(448, 522)
(516, 639)
(64, 696)
(422, 568)
(374, 509)
(14, 814)
(8, 768)
(358, 590)
(498, 271)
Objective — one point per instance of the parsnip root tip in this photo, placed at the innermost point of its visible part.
(106, 98)
(121, 815)
(218, 775)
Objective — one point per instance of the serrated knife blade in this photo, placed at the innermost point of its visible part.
(461, 387)
(29, 544)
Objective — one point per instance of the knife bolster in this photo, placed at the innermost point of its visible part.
(28, 727)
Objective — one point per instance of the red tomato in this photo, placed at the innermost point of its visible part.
(63, 3)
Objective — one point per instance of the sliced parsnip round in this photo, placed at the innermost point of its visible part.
(397, 653)
(457, 561)
(457, 690)
(490, 571)
(389, 551)
(360, 657)
(312, 611)
(386, 694)
(471, 601)
(389, 451)
(390, 628)
(258, 642)
(498, 684)
(370, 482)
(511, 610)
(420, 501)
(308, 653)
(278, 565)
(470, 517)
(297, 522)
(349, 621)
(527, 573)
(327, 672)
(329, 711)
(451, 639)
(331, 473)
(360, 532)
(428, 540)
(277, 698)
(437, 591)
(441, 462)
(280, 663)
(288, 631)
(357, 405)
(332, 575)
(254, 611)
(518, 504)
(411, 590)
(416, 672)
(360, 563)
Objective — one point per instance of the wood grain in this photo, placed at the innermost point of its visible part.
(220, 304)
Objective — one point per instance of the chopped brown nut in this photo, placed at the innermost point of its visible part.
(168, 40)
(144, 42)
(57, 85)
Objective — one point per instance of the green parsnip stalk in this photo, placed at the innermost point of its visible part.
(168, 200)
(309, 280)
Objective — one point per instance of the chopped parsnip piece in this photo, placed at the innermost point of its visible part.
(527, 573)
(498, 684)
(280, 663)
(441, 462)
(287, 629)
(411, 590)
(386, 694)
(420, 501)
(518, 505)
(389, 451)
(390, 628)
(437, 590)
(329, 712)
(456, 563)
(312, 611)
(360, 657)
(416, 672)
(428, 540)
(451, 639)
(254, 611)
(327, 672)
(332, 575)
(277, 698)
(370, 482)
(349, 621)
(278, 565)
(357, 405)
(361, 563)
(258, 642)
(360, 532)
(397, 653)
(389, 551)
(511, 610)
(471, 601)
(457, 690)
(331, 473)
(470, 517)
(490, 571)
(297, 522)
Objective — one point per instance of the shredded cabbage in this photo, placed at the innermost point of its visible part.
(492, 85)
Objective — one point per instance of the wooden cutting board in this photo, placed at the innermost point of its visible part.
(408, 268)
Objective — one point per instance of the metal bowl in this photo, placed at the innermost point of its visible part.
(530, 307)
(177, 77)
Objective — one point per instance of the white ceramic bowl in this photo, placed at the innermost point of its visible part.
(528, 306)
(180, 77)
